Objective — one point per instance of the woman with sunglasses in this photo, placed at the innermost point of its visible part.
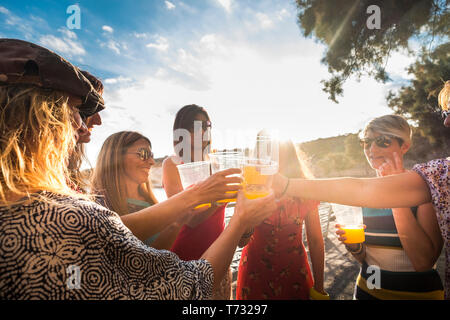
(424, 183)
(57, 244)
(191, 131)
(121, 180)
(406, 259)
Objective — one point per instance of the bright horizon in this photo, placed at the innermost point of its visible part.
(245, 62)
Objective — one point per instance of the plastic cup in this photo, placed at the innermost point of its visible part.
(351, 221)
(226, 160)
(258, 176)
(192, 173)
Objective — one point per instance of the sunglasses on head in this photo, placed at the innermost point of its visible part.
(144, 154)
(380, 141)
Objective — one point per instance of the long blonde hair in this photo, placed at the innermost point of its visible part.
(36, 137)
(292, 161)
(444, 96)
(108, 178)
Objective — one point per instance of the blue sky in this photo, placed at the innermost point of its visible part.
(244, 61)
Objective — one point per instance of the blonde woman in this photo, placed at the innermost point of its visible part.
(121, 180)
(51, 235)
(406, 261)
(426, 182)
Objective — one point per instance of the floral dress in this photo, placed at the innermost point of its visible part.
(436, 173)
(274, 264)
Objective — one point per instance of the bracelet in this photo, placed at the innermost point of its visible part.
(315, 295)
(357, 251)
(285, 188)
(248, 234)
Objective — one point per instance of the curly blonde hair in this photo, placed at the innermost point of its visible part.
(444, 96)
(36, 138)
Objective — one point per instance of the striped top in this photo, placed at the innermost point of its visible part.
(383, 245)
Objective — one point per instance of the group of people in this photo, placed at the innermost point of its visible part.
(125, 244)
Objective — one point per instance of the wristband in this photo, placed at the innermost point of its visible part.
(357, 251)
(315, 295)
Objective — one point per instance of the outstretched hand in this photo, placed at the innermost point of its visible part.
(253, 212)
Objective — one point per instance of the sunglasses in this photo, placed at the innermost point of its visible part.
(144, 154)
(381, 141)
(445, 114)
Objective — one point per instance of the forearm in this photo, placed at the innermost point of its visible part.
(418, 246)
(167, 237)
(317, 254)
(221, 252)
(403, 190)
(149, 221)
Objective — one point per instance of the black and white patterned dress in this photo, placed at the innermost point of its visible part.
(76, 249)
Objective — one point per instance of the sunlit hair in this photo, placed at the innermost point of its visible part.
(391, 125)
(36, 137)
(292, 161)
(444, 96)
(78, 156)
(109, 174)
(80, 179)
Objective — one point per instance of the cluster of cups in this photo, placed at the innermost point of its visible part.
(258, 166)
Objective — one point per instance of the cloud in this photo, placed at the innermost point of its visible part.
(108, 29)
(118, 80)
(4, 10)
(161, 44)
(264, 20)
(169, 5)
(140, 35)
(67, 45)
(226, 4)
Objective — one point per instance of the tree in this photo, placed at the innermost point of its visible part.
(355, 50)
(418, 100)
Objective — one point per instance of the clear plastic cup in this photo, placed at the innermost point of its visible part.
(351, 221)
(226, 160)
(258, 176)
(193, 172)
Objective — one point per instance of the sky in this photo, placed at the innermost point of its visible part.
(246, 62)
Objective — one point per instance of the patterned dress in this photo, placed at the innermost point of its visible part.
(76, 249)
(436, 173)
(274, 264)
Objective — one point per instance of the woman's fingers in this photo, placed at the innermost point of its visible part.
(229, 180)
(228, 172)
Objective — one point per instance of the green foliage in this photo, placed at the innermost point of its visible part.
(355, 50)
(418, 100)
(343, 155)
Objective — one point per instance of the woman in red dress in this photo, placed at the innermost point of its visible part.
(192, 122)
(274, 264)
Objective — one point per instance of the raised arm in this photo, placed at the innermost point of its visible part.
(151, 220)
(404, 190)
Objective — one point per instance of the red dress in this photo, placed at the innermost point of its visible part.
(191, 243)
(274, 264)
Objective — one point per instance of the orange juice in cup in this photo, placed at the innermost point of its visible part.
(193, 172)
(351, 221)
(354, 233)
(258, 176)
(226, 160)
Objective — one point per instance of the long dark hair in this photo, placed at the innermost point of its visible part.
(184, 118)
